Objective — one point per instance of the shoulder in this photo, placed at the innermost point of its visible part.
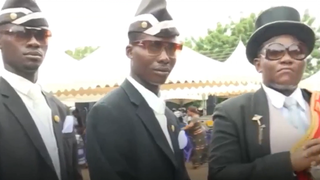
(109, 107)
(56, 101)
(235, 102)
(234, 108)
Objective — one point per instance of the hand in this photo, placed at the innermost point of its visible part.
(308, 155)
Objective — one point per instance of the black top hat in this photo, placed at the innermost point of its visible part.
(153, 18)
(279, 21)
(23, 12)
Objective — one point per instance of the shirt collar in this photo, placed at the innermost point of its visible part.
(19, 83)
(155, 102)
(277, 99)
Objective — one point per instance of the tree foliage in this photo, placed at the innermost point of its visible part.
(81, 52)
(219, 43)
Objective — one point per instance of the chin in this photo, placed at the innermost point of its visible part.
(158, 82)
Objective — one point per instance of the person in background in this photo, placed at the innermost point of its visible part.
(131, 134)
(34, 145)
(197, 134)
(273, 133)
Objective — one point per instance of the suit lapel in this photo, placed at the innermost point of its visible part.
(259, 106)
(57, 128)
(18, 109)
(146, 114)
(173, 130)
(306, 95)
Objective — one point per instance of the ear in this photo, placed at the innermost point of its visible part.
(257, 64)
(129, 51)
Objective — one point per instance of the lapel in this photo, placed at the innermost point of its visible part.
(18, 109)
(146, 114)
(173, 130)
(306, 95)
(57, 123)
(259, 106)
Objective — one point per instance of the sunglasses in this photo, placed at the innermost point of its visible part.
(276, 51)
(23, 34)
(157, 47)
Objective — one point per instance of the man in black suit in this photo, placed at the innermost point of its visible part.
(131, 135)
(270, 134)
(32, 144)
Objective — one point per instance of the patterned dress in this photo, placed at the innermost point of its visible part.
(197, 134)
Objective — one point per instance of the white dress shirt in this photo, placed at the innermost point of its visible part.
(34, 100)
(158, 106)
(277, 100)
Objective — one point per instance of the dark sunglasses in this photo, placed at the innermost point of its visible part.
(23, 34)
(276, 51)
(156, 47)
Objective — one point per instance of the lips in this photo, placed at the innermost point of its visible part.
(33, 53)
(164, 70)
(285, 69)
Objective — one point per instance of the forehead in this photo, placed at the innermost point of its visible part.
(283, 39)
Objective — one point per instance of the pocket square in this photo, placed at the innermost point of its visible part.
(68, 124)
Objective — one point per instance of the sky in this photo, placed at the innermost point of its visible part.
(77, 23)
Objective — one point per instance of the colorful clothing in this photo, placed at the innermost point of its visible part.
(313, 131)
(199, 142)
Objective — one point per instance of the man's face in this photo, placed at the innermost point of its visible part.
(153, 58)
(282, 61)
(23, 50)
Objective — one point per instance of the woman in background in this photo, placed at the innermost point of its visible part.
(196, 131)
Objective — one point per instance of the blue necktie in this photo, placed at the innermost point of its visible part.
(294, 115)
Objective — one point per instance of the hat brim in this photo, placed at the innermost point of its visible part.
(299, 30)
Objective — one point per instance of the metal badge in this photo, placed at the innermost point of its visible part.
(258, 119)
(13, 16)
(56, 118)
(172, 128)
(144, 24)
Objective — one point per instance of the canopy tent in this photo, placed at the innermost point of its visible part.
(312, 83)
(58, 71)
(180, 99)
(177, 93)
(101, 74)
(239, 69)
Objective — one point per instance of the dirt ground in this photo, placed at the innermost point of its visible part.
(195, 174)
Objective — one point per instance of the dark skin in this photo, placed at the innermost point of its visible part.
(14, 54)
(144, 66)
(286, 82)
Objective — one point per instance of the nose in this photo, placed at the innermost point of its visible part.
(286, 59)
(33, 43)
(163, 57)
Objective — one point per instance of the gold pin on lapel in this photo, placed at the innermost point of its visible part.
(258, 119)
(56, 118)
(144, 24)
(172, 128)
(13, 16)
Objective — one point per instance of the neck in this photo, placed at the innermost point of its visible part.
(151, 87)
(286, 90)
(32, 76)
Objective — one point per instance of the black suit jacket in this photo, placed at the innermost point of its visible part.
(23, 154)
(126, 142)
(235, 152)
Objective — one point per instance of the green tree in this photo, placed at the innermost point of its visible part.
(81, 52)
(219, 43)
